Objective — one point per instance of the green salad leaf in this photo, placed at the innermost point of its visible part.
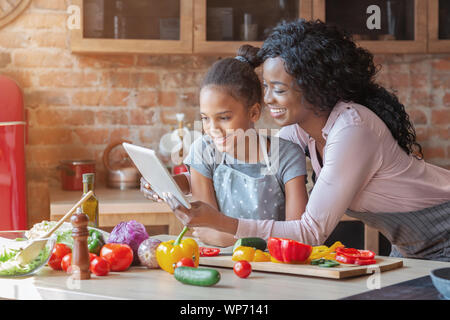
(10, 267)
(8, 254)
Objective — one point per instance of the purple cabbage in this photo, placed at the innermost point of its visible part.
(131, 233)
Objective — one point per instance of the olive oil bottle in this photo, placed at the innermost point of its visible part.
(90, 206)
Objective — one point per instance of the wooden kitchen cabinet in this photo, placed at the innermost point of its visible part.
(222, 26)
(381, 26)
(438, 26)
(133, 26)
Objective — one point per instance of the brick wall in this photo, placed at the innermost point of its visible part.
(77, 104)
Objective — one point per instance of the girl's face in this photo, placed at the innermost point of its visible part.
(222, 115)
(282, 95)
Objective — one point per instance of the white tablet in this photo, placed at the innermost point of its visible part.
(156, 174)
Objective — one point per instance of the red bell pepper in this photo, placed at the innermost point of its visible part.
(355, 253)
(355, 256)
(208, 252)
(287, 250)
(345, 259)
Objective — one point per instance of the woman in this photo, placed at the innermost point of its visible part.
(320, 88)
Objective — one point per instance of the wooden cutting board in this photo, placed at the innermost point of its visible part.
(340, 272)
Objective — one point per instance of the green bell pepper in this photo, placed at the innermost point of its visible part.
(95, 241)
(324, 263)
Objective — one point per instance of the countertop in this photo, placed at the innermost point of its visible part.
(140, 283)
(111, 201)
(116, 206)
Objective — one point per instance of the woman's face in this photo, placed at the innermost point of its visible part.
(282, 94)
(222, 115)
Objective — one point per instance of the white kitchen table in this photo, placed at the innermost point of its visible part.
(142, 283)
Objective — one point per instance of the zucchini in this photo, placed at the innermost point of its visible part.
(197, 276)
(257, 243)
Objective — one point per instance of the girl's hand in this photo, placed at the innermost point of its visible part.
(213, 237)
(201, 214)
(148, 192)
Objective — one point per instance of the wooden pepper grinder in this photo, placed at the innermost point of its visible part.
(80, 252)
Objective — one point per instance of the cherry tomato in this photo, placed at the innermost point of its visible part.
(119, 256)
(242, 269)
(58, 252)
(99, 266)
(185, 262)
(209, 252)
(92, 256)
(66, 262)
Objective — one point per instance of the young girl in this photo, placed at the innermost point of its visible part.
(261, 178)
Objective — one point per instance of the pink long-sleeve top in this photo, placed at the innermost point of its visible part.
(364, 169)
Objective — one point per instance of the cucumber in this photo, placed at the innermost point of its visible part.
(257, 243)
(197, 276)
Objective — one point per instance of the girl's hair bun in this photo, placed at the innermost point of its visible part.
(237, 76)
(250, 53)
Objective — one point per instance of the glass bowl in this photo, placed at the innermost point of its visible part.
(11, 242)
(441, 280)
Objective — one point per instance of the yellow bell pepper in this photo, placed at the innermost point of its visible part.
(243, 253)
(250, 254)
(170, 252)
(261, 256)
(331, 256)
(336, 245)
(319, 248)
(325, 252)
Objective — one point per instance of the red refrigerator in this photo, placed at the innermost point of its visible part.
(13, 207)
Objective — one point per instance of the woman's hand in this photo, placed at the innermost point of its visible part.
(148, 192)
(213, 237)
(201, 214)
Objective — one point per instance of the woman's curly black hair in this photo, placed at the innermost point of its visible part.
(329, 67)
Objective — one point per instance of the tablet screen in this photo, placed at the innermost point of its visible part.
(156, 174)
